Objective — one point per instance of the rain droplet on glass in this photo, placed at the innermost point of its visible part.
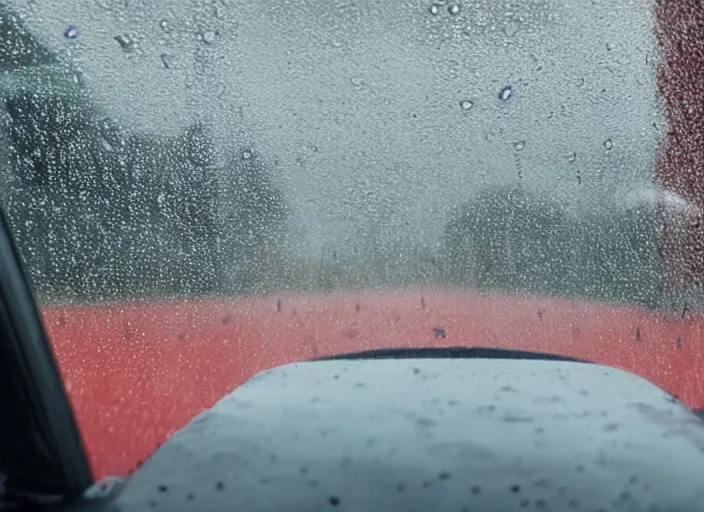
(466, 105)
(125, 42)
(520, 145)
(106, 145)
(608, 144)
(505, 93)
(167, 61)
(71, 32)
(357, 81)
(209, 36)
(111, 4)
(511, 28)
(454, 9)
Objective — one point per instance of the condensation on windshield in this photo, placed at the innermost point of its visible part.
(202, 189)
(215, 146)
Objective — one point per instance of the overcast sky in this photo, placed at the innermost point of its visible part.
(384, 115)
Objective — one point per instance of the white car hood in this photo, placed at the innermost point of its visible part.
(432, 434)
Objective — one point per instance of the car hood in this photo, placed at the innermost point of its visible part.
(432, 434)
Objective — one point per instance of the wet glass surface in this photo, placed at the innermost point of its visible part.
(201, 189)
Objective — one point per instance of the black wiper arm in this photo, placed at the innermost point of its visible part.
(452, 353)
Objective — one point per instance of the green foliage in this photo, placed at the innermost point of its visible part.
(253, 223)
(508, 239)
(100, 213)
(18, 49)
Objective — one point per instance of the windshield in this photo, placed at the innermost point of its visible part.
(202, 189)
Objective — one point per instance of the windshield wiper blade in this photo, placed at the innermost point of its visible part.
(451, 353)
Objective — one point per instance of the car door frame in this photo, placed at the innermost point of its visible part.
(33, 392)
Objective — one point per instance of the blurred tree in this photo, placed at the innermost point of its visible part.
(101, 213)
(18, 49)
(505, 238)
(253, 221)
